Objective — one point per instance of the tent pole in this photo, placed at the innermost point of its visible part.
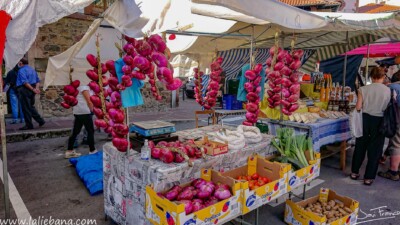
(4, 152)
(251, 46)
(127, 123)
(283, 48)
(345, 64)
(367, 62)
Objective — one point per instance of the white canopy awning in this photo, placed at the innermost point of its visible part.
(27, 17)
(260, 18)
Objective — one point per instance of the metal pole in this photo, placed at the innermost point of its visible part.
(4, 152)
(127, 123)
(283, 48)
(345, 63)
(367, 62)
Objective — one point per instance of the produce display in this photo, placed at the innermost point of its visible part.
(213, 86)
(198, 195)
(70, 93)
(253, 88)
(198, 86)
(251, 134)
(284, 88)
(309, 117)
(292, 148)
(333, 210)
(177, 152)
(255, 180)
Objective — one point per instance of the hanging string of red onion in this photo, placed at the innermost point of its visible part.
(70, 93)
(284, 87)
(213, 86)
(198, 86)
(253, 89)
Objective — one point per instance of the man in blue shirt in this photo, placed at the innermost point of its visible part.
(28, 86)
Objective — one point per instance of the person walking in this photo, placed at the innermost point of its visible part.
(83, 117)
(16, 108)
(394, 143)
(27, 87)
(372, 99)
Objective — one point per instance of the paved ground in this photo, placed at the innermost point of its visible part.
(48, 186)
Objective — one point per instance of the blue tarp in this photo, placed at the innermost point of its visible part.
(335, 65)
(90, 169)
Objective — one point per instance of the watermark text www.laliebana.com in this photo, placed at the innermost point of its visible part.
(41, 220)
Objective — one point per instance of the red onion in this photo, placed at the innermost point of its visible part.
(250, 75)
(176, 84)
(92, 60)
(159, 59)
(75, 83)
(248, 86)
(118, 116)
(188, 206)
(166, 155)
(258, 68)
(203, 194)
(293, 98)
(166, 73)
(126, 69)
(186, 194)
(129, 48)
(143, 48)
(285, 71)
(98, 113)
(155, 153)
(92, 75)
(294, 77)
(251, 107)
(211, 201)
(285, 93)
(130, 40)
(179, 158)
(269, 61)
(96, 101)
(115, 96)
(197, 183)
(197, 205)
(293, 108)
(286, 82)
(252, 96)
(65, 105)
(177, 188)
(94, 87)
(69, 90)
(171, 195)
(121, 129)
(208, 186)
(294, 89)
(141, 62)
(100, 123)
(278, 66)
(120, 143)
(286, 112)
(105, 81)
(222, 193)
(108, 130)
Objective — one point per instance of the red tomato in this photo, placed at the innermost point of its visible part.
(260, 182)
(249, 178)
(255, 176)
(266, 180)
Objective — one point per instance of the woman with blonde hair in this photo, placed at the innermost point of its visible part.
(372, 99)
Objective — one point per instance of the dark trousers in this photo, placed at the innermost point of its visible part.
(86, 121)
(371, 143)
(27, 98)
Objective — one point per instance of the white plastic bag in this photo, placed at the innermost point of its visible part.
(356, 124)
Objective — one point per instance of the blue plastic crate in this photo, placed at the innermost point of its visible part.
(237, 105)
(227, 101)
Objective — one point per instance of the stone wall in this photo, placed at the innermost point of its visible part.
(53, 39)
(57, 37)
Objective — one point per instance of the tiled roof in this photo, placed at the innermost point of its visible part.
(378, 8)
(309, 2)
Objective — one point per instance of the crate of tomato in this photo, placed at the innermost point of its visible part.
(262, 181)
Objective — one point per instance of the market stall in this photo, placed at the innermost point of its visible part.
(126, 176)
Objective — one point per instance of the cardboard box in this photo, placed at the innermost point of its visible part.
(162, 211)
(305, 175)
(213, 147)
(277, 172)
(296, 214)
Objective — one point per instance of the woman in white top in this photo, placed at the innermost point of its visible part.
(373, 99)
(83, 117)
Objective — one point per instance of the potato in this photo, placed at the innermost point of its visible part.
(332, 203)
(341, 205)
(329, 215)
(348, 210)
(328, 207)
